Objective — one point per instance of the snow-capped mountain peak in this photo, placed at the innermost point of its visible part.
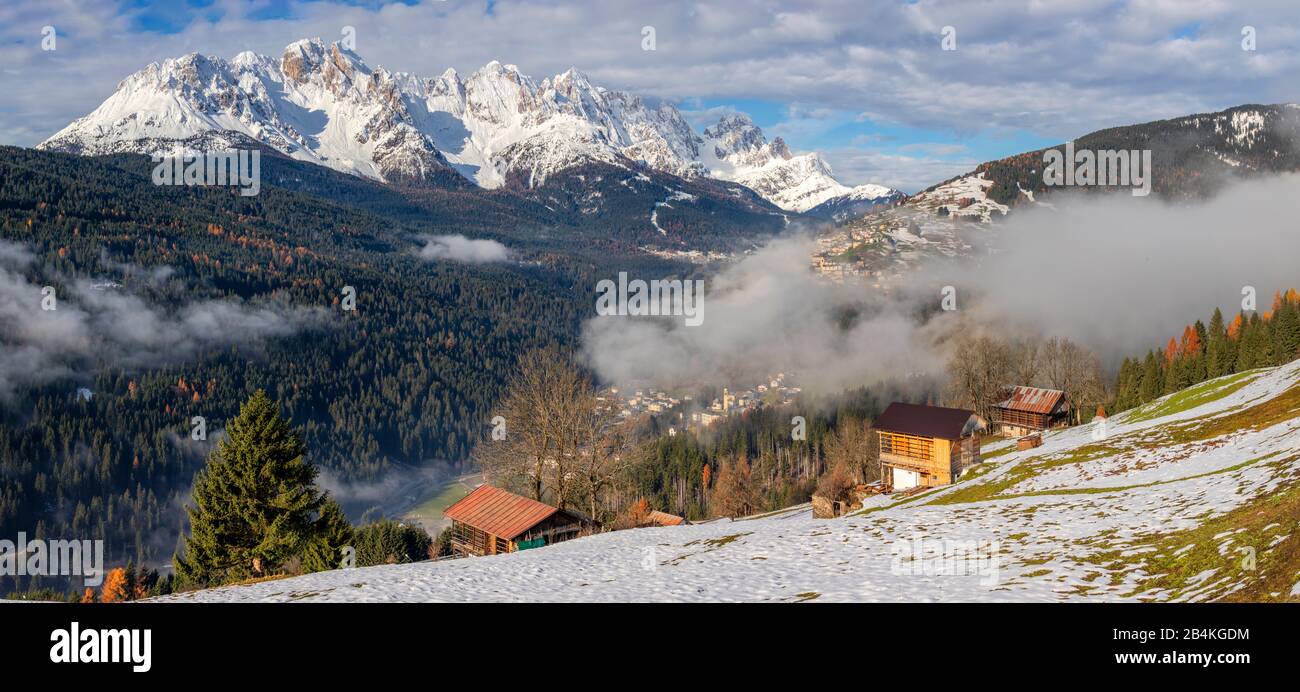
(741, 153)
(320, 102)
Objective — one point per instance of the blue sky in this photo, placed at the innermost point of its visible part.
(865, 83)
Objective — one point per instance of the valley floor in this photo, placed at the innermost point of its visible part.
(1193, 497)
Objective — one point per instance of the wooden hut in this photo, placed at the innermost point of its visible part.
(491, 520)
(1029, 442)
(926, 446)
(1030, 410)
(657, 518)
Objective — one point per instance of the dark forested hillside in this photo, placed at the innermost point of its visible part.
(1192, 156)
(623, 209)
(407, 378)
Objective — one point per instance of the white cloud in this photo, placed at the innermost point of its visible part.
(94, 325)
(908, 173)
(458, 248)
(1118, 274)
(15, 255)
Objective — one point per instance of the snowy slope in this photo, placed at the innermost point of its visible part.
(321, 103)
(1164, 507)
(961, 197)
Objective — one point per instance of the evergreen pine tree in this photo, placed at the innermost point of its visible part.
(1233, 345)
(1175, 374)
(326, 551)
(1133, 388)
(1216, 347)
(1124, 386)
(1196, 359)
(1246, 346)
(1263, 342)
(256, 504)
(1286, 333)
(1152, 384)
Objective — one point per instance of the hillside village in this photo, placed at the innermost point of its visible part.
(683, 412)
(1191, 497)
(946, 221)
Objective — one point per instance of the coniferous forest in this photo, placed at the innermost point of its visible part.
(99, 442)
(1254, 339)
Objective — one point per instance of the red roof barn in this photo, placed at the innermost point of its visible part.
(491, 520)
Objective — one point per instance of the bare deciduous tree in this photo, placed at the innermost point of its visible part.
(854, 446)
(1025, 361)
(562, 444)
(979, 371)
(1075, 370)
(735, 494)
(519, 461)
(836, 483)
(602, 450)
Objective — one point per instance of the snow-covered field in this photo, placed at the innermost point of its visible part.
(1168, 504)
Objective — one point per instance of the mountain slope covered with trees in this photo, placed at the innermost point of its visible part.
(405, 380)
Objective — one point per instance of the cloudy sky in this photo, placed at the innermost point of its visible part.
(866, 83)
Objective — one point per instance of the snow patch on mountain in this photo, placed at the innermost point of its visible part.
(966, 196)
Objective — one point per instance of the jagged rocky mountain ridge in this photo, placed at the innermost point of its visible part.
(496, 127)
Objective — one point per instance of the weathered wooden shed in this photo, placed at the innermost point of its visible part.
(1029, 410)
(491, 520)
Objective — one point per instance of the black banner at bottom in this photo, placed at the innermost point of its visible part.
(353, 641)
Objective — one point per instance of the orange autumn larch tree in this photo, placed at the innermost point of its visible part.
(639, 512)
(115, 588)
(1191, 342)
(1234, 327)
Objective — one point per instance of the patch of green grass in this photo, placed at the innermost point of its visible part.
(1036, 573)
(806, 596)
(449, 494)
(1173, 559)
(724, 540)
(1023, 470)
(710, 544)
(1280, 408)
(985, 456)
(303, 595)
(912, 498)
(976, 471)
(1194, 396)
(1118, 488)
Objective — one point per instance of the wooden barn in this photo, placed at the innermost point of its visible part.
(1030, 410)
(926, 446)
(491, 520)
